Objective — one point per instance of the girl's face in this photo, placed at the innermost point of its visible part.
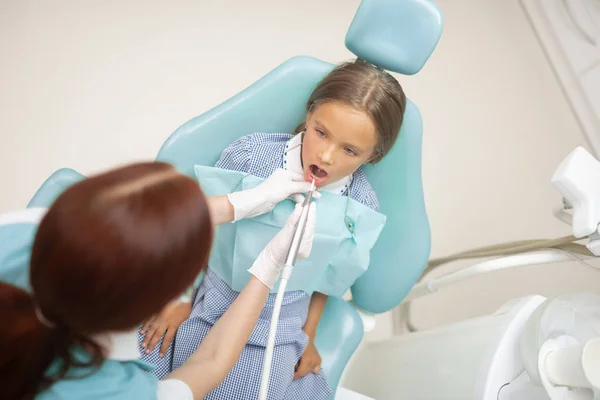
(338, 140)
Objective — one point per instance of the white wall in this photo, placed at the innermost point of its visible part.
(88, 85)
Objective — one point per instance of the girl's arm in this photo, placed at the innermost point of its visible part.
(310, 361)
(315, 311)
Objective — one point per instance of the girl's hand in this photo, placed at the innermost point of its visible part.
(309, 362)
(167, 322)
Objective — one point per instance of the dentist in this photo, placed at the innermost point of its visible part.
(110, 252)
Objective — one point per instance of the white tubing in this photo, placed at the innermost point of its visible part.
(288, 266)
(539, 257)
(266, 371)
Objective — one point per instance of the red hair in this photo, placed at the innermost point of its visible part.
(111, 251)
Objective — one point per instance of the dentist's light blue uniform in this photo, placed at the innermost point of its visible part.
(124, 377)
(17, 232)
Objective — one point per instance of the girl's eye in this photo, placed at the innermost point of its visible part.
(350, 151)
(320, 133)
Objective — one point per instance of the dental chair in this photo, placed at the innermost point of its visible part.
(396, 35)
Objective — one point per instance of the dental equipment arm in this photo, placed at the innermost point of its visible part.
(219, 351)
(429, 286)
(577, 179)
(305, 222)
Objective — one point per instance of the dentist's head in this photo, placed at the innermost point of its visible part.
(110, 252)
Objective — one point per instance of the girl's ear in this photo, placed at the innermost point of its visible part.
(371, 158)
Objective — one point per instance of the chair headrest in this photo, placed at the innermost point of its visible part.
(396, 35)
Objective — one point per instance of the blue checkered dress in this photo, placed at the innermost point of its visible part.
(259, 154)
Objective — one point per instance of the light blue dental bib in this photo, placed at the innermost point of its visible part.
(345, 232)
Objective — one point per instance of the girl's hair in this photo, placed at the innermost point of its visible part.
(367, 88)
(111, 251)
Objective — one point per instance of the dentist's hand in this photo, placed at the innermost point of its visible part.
(282, 184)
(269, 263)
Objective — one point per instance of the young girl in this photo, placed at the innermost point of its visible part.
(353, 117)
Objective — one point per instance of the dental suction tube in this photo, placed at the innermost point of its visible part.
(297, 239)
(285, 276)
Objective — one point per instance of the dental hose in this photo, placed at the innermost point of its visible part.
(566, 244)
(285, 276)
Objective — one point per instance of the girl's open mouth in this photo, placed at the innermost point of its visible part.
(319, 174)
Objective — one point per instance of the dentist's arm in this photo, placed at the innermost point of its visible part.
(282, 184)
(221, 348)
(221, 210)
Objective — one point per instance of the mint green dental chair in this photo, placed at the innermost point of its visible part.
(396, 35)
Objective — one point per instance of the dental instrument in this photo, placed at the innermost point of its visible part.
(285, 276)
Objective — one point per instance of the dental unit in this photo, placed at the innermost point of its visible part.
(531, 348)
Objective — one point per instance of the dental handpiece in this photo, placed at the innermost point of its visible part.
(285, 276)
(300, 228)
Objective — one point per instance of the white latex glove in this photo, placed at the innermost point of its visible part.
(282, 184)
(269, 263)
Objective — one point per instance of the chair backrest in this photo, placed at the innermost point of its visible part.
(54, 186)
(396, 34)
(274, 103)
